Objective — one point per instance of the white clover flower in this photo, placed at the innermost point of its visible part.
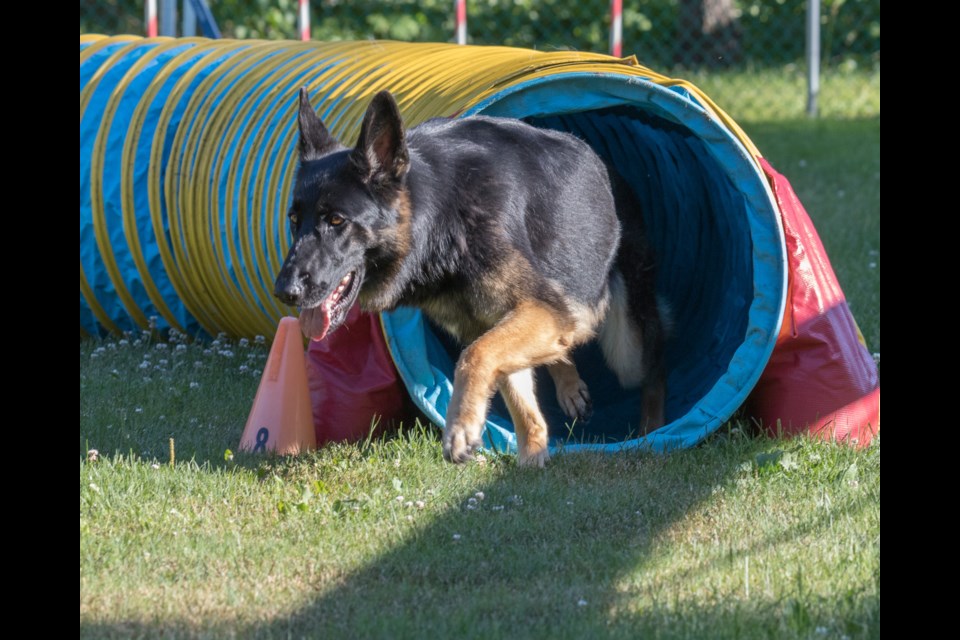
(456, 537)
(194, 385)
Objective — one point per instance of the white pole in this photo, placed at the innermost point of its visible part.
(813, 56)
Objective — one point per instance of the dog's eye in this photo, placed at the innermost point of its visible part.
(294, 219)
(335, 220)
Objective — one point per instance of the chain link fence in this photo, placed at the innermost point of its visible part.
(748, 55)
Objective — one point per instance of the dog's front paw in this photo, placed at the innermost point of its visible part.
(533, 456)
(574, 398)
(458, 444)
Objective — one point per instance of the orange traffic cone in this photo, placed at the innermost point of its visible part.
(281, 419)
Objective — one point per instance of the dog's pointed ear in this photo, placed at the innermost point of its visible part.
(315, 140)
(381, 152)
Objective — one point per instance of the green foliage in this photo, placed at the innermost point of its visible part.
(770, 32)
(111, 17)
(755, 69)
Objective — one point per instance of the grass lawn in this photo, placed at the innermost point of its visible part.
(740, 537)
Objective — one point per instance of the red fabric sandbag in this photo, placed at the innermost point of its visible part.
(820, 378)
(353, 381)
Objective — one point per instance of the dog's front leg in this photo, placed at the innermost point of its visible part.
(473, 382)
(531, 335)
(519, 393)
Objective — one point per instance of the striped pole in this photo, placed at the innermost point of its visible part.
(304, 20)
(616, 28)
(151, 10)
(461, 8)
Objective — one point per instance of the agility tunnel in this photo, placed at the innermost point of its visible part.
(187, 159)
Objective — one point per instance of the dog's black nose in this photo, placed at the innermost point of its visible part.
(289, 291)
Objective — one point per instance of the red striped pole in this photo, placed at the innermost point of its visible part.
(616, 28)
(151, 18)
(461, 8)
(304, 20)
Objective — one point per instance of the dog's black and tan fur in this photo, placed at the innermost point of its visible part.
(505, 235)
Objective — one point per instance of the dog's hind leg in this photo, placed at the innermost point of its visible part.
(631, 339)
(572, 392)
(531, 335)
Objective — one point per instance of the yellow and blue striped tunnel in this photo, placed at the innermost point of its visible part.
(187, 158)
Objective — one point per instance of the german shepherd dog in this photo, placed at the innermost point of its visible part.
(505, 235)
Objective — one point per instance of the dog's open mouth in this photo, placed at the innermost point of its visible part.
(317, 321)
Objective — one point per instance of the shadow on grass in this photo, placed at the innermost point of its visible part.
(582, 549)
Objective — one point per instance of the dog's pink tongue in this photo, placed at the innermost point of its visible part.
(315, 322)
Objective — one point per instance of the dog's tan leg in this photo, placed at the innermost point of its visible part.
(533, 334)
(519, 393)
(572, 392)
